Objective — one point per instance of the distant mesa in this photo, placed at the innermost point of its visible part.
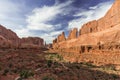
(9, 39)
(31, 42)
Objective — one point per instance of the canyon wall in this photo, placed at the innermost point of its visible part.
(9, 39)
(100, 34)
(32, 42)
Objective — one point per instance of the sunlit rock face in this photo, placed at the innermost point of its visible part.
(61, 37)
(103, 33)
(73, 34)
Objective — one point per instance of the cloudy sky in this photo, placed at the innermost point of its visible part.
(48, 18)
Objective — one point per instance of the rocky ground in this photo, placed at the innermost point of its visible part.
(37, 64)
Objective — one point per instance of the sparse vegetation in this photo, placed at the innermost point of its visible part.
(115, 76)
(14, 70)
(50, 66)
(5, 71)
(26, 74)
(48, 78)
(108, 67)
(10, 65)
(49, 63)
(54, 57)
(88, 64)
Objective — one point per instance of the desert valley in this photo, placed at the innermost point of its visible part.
(90, 53)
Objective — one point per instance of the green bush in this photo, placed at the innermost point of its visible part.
(26, 74)
(5, 71)
(14, 71)
(109, 67)
(48, 78)
(10, 65)
(88, 64)
(49, 63)
(54, 57)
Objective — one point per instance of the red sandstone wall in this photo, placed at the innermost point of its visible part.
(89, 27)
(9, 39)
(61, 37)
(32, 42)
(73, 34)
(104, 31)
(10, 36)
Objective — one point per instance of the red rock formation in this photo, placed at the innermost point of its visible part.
(61, 37)
(89, 27)
(94, 34)
(10, 36)
(9, 39)
(32, 42)
(4, 43)
(111, 19)
(73, 34)
(54, 41)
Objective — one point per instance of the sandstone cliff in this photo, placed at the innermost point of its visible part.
(61, 37)
(9, 39)
(73, 34)
(32, 42)
(97, 34)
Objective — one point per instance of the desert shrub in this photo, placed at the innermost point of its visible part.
(14, 70)
(39, 65)
(88, 64)
(26, 74)
(10, 65)
(5, 71)
(49, 63)
(48, 78)
(56, 64)
(54, 57)
(108, 67)
(115, 76)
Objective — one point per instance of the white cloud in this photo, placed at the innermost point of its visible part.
(23, 32)
(43, 14)
(10, 14)
(13, 17)
(51, 36)
(94, 13)
(39, 16)
(37, 20)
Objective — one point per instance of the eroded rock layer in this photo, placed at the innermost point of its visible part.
(95, 35)
(9, 39)
(32, 42)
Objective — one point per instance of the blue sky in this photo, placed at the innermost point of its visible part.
(48, 18)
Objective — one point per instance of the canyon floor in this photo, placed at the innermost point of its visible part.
(39, 64)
